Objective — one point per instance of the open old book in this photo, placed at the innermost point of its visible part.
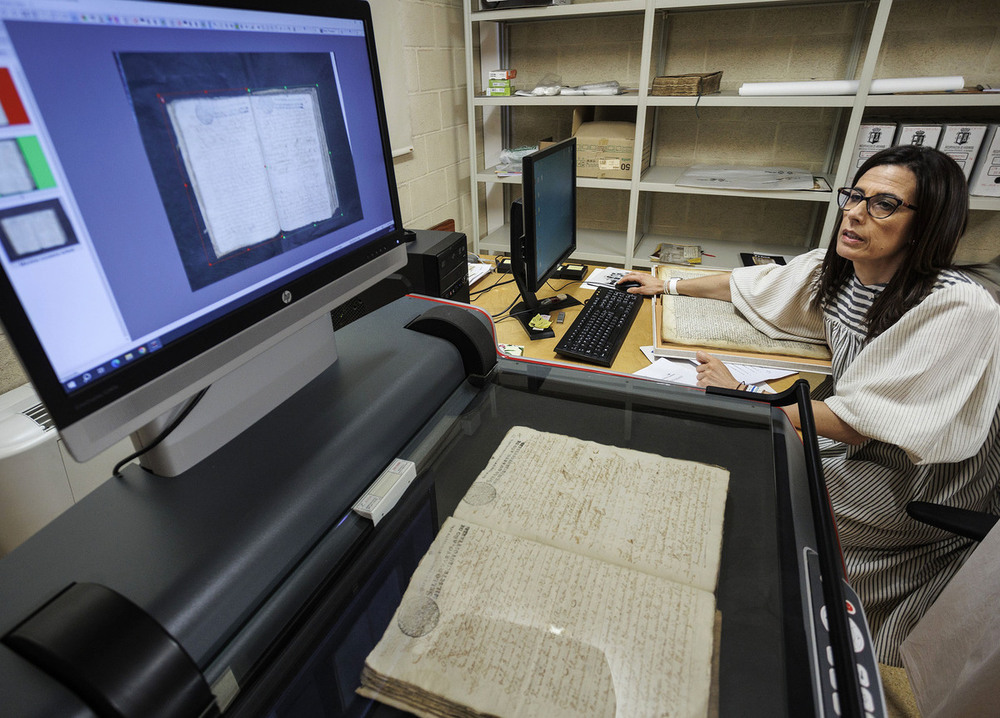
(258, 163)
(574, 579)
(691, 321)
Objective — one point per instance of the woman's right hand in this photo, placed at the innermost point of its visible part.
(650, 286)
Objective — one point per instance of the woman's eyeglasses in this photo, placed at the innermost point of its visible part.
(879, 206)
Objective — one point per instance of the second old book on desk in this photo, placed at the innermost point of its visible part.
(575, 578)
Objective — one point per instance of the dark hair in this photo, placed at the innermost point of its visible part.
(942, 201)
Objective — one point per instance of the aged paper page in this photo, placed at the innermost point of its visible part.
(659, 515)
(710, 323)
(294, 147)
(223, 157)
(500, 625)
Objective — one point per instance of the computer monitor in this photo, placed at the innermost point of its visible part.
(543, 230)
(185, 193)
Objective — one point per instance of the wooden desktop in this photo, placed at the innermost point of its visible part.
(496, 292)
(498, 299)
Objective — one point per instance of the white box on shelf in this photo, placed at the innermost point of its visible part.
(962, 142)
(923, 134)
(985, 180)
(872, 137)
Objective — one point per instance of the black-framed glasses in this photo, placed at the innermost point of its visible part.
(879, 206)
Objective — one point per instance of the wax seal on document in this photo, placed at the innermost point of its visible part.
(480, 494)
(418, 616)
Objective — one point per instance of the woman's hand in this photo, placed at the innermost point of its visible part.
(712, 372)
(650, 286)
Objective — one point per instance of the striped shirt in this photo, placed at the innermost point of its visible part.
(927, 393)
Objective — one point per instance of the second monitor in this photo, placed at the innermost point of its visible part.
(543, 231)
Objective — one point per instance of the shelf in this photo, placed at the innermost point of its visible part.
(730, 4)
(664, 179)
(673, 35)
(555, 12)
(727, 253)
(944, 99)
(589, 182)
(592, 245)
(628, 100)
(991, 204)
(732, 98)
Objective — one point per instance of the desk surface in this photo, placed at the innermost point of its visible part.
(509, 331)
(630, 358)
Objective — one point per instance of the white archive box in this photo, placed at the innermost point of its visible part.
(962, 143)
(985, 180)
(922, 134)
(872, 137)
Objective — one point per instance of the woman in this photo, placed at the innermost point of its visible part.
(913, 411)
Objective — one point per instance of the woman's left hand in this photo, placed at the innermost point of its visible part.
(712, 372)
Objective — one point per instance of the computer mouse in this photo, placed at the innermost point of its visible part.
(625, 286)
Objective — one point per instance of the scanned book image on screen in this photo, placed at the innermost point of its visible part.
(541, 597)
(34, 230)
(249, 151)
(258, 163)
(694, 321)
(15, 177)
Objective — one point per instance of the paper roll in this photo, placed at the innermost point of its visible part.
(884, 86)
(889, 85)
(807, 87)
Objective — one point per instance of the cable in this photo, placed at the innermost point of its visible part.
(116, 472)
(497, 283)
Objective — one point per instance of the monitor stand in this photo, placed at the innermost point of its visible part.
(526, 310)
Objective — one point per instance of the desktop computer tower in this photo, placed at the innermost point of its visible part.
(437, 266)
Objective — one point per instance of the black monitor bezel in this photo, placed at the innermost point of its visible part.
(535, 277)
(67, 408)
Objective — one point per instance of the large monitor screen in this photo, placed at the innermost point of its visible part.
(171, 174)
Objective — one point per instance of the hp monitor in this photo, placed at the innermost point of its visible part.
(543, 230)
(185, 192)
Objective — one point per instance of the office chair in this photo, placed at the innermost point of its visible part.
(964, 522)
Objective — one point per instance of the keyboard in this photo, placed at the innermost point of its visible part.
(597, 333)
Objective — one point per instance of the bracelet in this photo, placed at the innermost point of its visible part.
(671, 285)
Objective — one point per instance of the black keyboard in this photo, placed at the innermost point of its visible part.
(597, 333)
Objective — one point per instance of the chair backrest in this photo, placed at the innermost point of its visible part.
(952, 656)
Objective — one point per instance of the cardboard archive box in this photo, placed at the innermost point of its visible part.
(604, 147)
(872, 137)
(985, 180)
(962, 142)
(921, 134)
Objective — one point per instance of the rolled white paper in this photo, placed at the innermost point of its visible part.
(883, 86)
(889, 85)
(805, 87)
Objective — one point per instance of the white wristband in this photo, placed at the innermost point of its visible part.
(672, 285)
